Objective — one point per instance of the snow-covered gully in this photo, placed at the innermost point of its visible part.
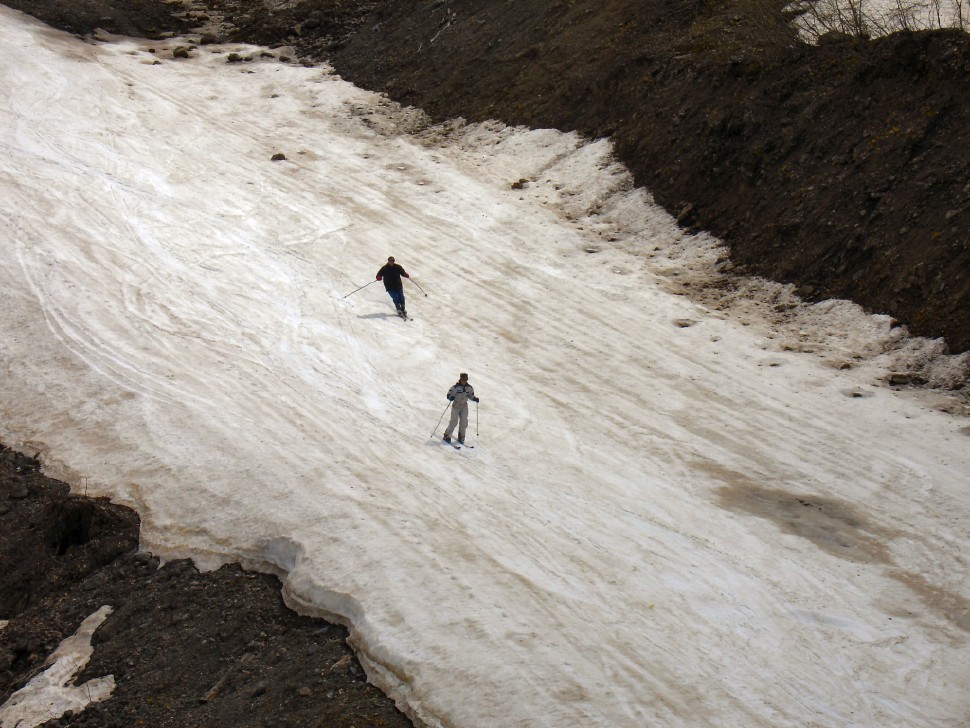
(677, 512)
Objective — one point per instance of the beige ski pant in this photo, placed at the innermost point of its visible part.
(459, 416)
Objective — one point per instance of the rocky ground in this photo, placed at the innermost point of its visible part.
(842, 168)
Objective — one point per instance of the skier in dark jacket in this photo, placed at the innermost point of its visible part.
(459, 394)
(391, 274)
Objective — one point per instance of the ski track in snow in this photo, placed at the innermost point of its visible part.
(669, 518)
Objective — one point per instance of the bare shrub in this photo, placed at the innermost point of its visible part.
(869, 18)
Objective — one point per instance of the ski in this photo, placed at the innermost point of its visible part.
(404, 316)
(458, 445)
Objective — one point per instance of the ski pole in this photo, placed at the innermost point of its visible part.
(440, 418)
(419, 287)
(357, 289)
(476, 419)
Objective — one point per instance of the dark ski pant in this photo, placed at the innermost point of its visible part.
(459, 416)
(397, 295)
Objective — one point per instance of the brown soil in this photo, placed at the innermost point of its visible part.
(843, 168)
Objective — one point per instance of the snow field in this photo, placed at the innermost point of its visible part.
(668, 519)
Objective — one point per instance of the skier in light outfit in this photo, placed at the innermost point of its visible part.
(458, 395)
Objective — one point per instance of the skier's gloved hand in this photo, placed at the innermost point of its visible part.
(475, 399)
(379, 277)
(450, 398)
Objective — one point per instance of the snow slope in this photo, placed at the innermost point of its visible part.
(671, 517)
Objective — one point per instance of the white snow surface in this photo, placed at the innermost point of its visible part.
(52, 693)
(680, 511)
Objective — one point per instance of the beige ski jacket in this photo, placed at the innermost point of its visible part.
(461, 393)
